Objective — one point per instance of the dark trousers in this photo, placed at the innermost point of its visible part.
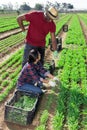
(27, 48)
(30, 88)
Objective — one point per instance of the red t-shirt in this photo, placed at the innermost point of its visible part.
(38, 28)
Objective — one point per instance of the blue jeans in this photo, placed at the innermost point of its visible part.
(31, 88)
(27, 48)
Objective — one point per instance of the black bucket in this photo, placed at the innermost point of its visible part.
(65, 28)
(59, 44)
(52, 66)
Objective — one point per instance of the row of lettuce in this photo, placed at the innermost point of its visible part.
(72, 105)
(83, 17)
(9, 71)
(11, 42)
(75, 34)
(9, 23)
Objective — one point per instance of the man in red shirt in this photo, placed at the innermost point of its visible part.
(40, 24)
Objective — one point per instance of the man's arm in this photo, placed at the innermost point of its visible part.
(20, 20)
(54, 42)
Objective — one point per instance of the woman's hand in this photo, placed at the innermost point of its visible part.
(50, 76)
(45, 80)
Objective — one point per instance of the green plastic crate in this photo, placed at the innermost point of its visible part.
(17, 115)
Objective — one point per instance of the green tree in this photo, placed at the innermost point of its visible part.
(70, 6)
(38, 7)
(25, 7)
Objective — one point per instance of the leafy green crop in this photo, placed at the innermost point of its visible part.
(25, 102)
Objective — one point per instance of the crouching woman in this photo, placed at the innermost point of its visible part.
(33, 74)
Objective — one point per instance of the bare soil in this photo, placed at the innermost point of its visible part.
(9, 126)
(10, 51)
(9, 33)
(84, 28)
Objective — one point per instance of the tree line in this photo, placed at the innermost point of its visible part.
(26, 7)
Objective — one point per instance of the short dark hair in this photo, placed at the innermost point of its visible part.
(33, 55)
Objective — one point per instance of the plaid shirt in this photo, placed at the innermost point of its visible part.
(31, 74)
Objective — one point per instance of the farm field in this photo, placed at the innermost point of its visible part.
(65, 106)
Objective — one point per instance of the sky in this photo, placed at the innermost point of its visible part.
(78, 4)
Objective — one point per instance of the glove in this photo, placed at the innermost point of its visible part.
(24, 33)
(55, 54)
(56, 80)
(52, 84)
